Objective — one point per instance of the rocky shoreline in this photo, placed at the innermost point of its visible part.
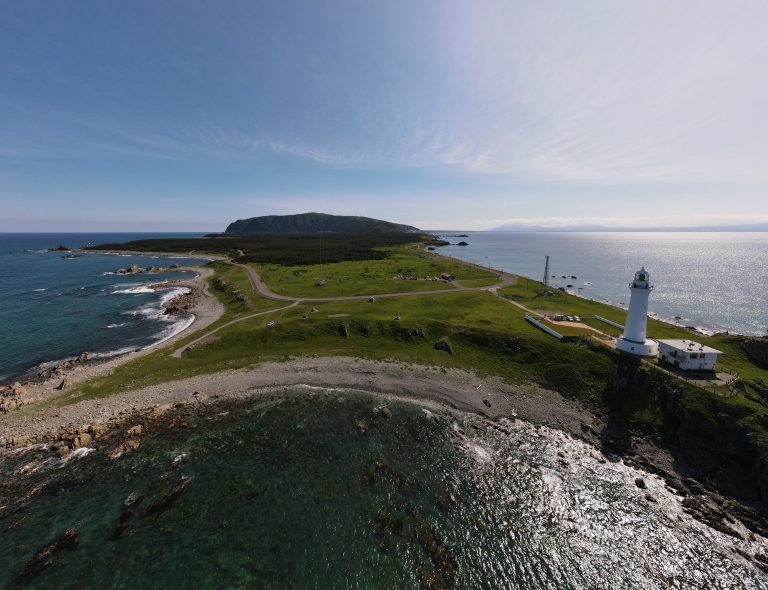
(52, 379)
(136, 269)
(117, 425)
(183, 303)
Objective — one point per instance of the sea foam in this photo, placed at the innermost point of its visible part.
(134, 290)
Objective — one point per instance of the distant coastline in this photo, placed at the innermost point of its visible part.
(744, 228)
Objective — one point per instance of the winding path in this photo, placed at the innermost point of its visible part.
(262, 289)
(179, 351)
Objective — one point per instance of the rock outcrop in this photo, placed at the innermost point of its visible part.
(181, 304)
(61, 369)
(12, 397)
(136, 269)
(757, 351)
(706, 433)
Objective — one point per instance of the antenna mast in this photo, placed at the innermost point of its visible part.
(546, 272)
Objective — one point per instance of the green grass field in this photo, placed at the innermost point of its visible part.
(234, 280)
(735, 360)
(488, 334)
(368, 277)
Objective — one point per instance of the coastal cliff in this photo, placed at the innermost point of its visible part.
(711, 438)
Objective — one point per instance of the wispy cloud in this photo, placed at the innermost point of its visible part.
(452, 111)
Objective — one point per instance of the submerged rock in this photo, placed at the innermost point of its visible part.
(132, 499)
(168, 498)
(46, 557)
(127, 511)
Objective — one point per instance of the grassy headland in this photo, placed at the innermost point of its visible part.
(487, 333)
(721, 431)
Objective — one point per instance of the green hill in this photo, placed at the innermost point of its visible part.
(307, 223)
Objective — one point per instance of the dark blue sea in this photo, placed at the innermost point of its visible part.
(714, 281)
(55, 307)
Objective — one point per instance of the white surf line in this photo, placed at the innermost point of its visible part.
(179, 351)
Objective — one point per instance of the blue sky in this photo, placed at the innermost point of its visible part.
(443, 114)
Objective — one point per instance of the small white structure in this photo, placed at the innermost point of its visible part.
(634, 340)
(688, 355)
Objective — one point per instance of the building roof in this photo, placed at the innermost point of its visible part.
(690, 346)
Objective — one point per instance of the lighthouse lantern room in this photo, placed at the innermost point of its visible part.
(634, 341)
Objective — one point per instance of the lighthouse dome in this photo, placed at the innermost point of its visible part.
(642, 275)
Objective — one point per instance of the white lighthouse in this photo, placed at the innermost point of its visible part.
(634, 340)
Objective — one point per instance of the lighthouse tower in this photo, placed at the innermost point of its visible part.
(634, 340)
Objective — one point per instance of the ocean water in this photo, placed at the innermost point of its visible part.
(714, 281)
(283, 491)
(55, 308)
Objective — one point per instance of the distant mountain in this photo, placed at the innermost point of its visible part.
(309, 223)
(744, 227)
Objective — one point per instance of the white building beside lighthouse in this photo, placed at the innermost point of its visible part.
(635, 340)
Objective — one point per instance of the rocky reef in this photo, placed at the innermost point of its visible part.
(136, 269)
(15, 395)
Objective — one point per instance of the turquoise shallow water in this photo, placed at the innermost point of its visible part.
(54, 307)
(285, 491)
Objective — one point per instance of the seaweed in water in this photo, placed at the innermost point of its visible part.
(165, 502)
(46, 557)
